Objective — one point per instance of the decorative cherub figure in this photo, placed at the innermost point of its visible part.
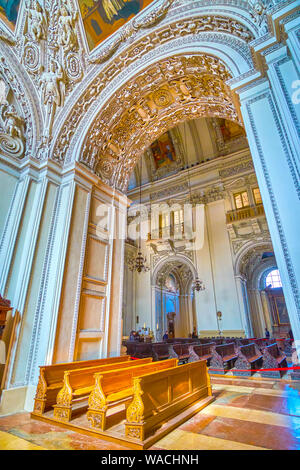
(52, 91)
(13, 123)
(66, 28)
(37, 23)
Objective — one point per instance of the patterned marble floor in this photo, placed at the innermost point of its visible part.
(246, 415)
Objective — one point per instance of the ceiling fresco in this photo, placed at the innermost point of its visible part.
(101, 18)
(9, 12)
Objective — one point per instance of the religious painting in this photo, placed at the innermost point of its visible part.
(163, 151)
(282, 310)
(101, 18)
(230, 130)
(278, 306)
(9, 12)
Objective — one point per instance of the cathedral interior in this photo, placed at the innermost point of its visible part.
(149, 224)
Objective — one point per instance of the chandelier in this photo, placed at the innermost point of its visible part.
(198, 285)
(138, 263)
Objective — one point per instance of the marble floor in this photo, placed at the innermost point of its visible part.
(247, 414)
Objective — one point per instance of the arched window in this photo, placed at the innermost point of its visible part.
(273, 279)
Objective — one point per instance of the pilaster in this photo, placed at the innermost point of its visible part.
(277, 171)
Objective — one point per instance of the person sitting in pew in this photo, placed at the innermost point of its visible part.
(132, 336)
(136, 336)
(165, 336)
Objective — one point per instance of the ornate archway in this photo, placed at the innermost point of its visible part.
(171, 91)
(194, 30)
(252, 265)
(174, 309)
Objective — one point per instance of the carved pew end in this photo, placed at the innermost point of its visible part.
(62, 413)
(97, 419)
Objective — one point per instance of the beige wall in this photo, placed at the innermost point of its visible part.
(67, 308)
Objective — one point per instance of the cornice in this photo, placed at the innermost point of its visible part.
(177, 185)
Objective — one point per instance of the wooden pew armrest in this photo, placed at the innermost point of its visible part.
(83, 391)
(117, 396)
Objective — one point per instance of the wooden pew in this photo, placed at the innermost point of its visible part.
(179, 351)
(160, 351)
(130, 347)
(113, 388)
(285, 345)
(160, 396)
(249, 359)
(224, 357)
(218, 340)
(190, 340)
(202, 352)
(79, 383)
(262, 343)
(51, 380)
(273, 358)
(244, 341)
(143, 350)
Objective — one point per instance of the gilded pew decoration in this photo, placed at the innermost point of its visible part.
(135, 413)
(97, 405)
(41, 394)
(63, 407)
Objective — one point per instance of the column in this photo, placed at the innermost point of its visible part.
(256, 313)
(244, 305)
(277, 169)
(38, 224)
(266, 310)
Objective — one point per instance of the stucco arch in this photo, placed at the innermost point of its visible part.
(178, 258)
(258, 274)
(244, 254)
(104, 81)
(189, 86)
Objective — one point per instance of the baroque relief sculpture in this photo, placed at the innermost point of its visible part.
(52, 92)
(37, 21)
(11, 125)
(66, 27)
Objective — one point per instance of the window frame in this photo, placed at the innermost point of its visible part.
(240, 193)
(254, 199)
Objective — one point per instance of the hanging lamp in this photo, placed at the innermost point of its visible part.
(197, 284)
(139, 263)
